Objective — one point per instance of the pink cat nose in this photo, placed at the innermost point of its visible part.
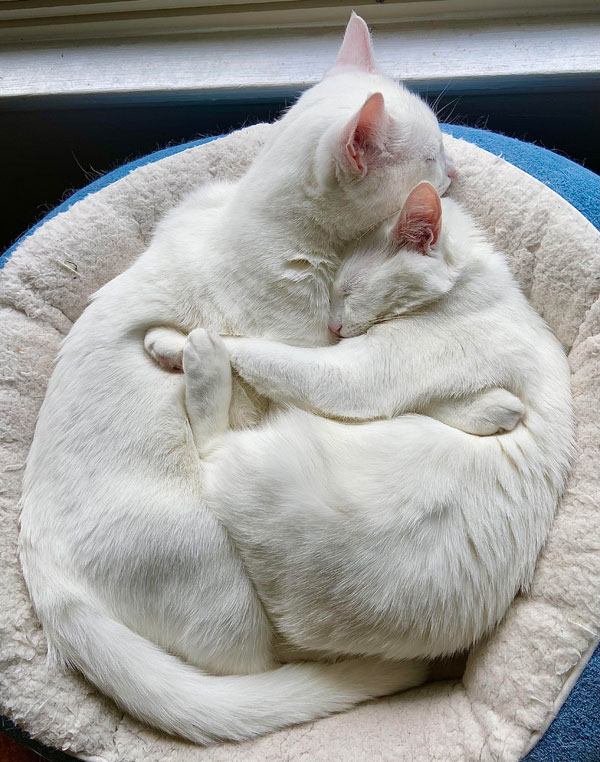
(337, 329)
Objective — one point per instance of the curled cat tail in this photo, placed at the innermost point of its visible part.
(162, 691)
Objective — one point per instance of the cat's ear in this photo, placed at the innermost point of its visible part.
(356, 47)
(364, 136)
(419, 223)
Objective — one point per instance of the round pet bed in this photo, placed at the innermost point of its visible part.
(507, 703)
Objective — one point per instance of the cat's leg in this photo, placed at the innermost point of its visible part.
(492, 411)
(365, 378)
(165, 347)
(348, 380)
(207, 374)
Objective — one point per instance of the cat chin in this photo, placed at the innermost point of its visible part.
(355, 330)
(445, 183)
(351, 332)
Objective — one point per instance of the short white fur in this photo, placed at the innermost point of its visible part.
(134, 579)
(402, 538)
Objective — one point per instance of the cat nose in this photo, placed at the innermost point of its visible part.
(337, 329)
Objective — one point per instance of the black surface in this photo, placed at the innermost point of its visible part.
(52, 146)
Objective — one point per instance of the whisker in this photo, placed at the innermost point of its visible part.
(434, 105)
(452, 104)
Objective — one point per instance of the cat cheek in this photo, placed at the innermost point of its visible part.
(449, 166)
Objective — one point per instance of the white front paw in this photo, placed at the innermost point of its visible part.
(165, 347)
(501, 411)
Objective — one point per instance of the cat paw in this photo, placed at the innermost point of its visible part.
(499, 412)
(165, 347)
(206, 362)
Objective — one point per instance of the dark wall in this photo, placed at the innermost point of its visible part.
(52, 146)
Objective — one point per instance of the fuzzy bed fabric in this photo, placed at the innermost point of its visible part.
(515, 681)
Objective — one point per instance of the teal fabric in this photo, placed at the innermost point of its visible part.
(577, 185)
(574, 735)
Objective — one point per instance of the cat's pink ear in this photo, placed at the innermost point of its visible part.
(420, 221)
(356, 47)
(364, 136)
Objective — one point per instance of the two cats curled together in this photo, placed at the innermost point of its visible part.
(227, 553)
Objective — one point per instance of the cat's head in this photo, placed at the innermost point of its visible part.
(400, 267)
(360, 141)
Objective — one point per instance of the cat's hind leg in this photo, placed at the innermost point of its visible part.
(165, 347)
(492, 411)
(207, 373)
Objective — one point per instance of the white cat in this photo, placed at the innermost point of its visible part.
(400, 538)
(135, 581)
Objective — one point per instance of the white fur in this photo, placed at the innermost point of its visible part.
(130, 573)
(400, 538)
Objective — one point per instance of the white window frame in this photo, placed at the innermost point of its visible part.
(68, 47)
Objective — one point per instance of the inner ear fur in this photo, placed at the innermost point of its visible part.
(419, 223)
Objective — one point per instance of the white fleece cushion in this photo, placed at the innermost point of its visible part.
(515, 681)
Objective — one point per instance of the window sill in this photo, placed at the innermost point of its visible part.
(291, 59)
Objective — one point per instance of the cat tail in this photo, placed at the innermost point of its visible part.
(163, 691)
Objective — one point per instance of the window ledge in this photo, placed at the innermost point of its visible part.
(295, 58)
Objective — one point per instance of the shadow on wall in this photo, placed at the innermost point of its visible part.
(53, 146)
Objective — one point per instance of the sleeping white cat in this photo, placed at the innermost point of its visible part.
(135, 581)
(400, 538)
